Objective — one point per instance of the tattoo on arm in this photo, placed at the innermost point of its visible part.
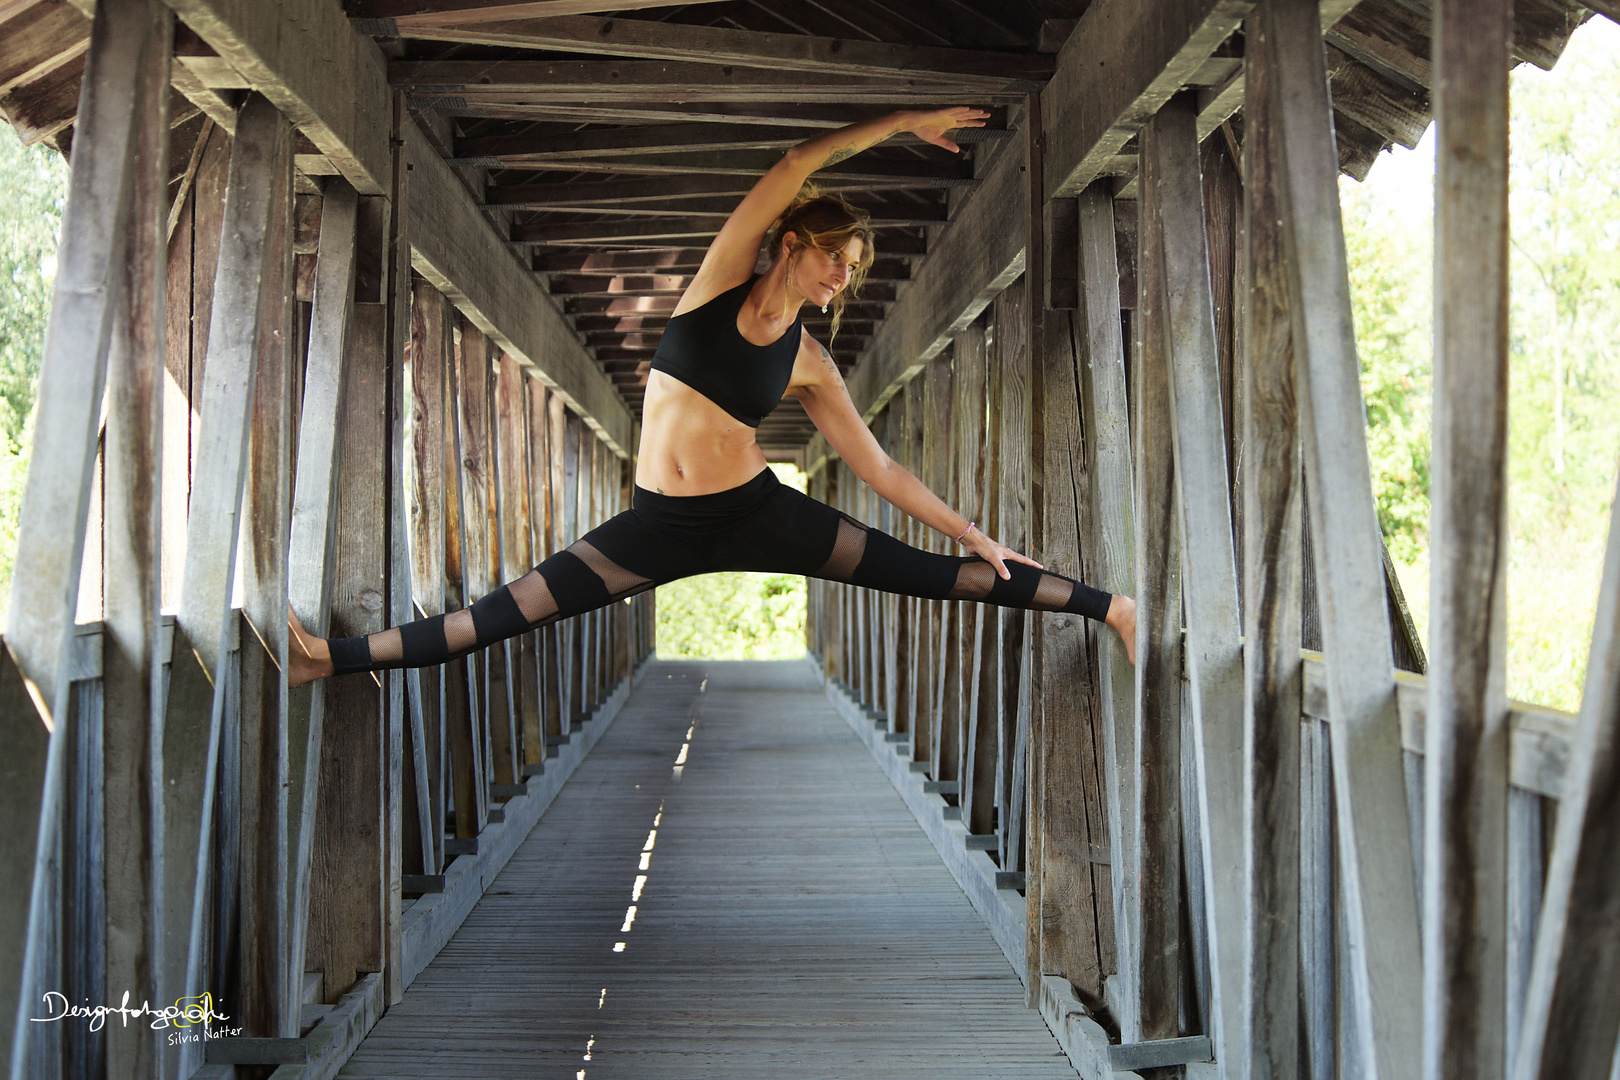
(837, 154)
(832, 365)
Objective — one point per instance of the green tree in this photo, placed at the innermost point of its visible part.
(33, 189)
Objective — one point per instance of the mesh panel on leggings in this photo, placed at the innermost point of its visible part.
(387, 647)
(617, 580)
(1052, 594)
(973, 581)
(533, 596)
(847, 551)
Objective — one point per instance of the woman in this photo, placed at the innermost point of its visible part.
(704, 498)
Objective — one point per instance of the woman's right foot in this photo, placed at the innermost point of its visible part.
(308, 657)
(1122, 617)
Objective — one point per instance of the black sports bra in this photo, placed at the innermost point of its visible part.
(703, 349)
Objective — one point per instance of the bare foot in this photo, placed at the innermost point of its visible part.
(1122, 617)
(308, 657)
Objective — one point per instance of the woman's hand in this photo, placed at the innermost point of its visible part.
(995, 554)
(932, 126)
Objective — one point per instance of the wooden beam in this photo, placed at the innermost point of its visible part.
(681, 78)
(976, 256)
(1465, 812)
(132, 650)
(260, 155)
(640, 138)
(404, 12)
(454, 247)
(1123, 61)
(1272, 494)
(327, 80)
(867, 168)
(1213, 654)
(681, 42)
(1377, 885)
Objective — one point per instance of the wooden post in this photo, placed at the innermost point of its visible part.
(34, 673)
(193, 713)
(469, 737)
(981, 673)
(1158, 650)
(430, 351)
(1465, 759)
(311, 550)
(266, 997)
(132, 675)
(1214, 657)
(938, 403)
(1105, 410)
(1378, 890)
(1272, 589)
(517, 551)
(462, 693)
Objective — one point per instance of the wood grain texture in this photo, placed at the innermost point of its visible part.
(1381, 918)
(325, 79)
(1465, 839)
(1213, 657)
(132, 663)
(1273, 493)
(1157, 814)
(784, 941)
(453, 247)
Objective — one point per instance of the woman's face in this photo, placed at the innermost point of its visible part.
(818, 276)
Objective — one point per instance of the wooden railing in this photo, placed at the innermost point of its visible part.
(292, 417)
(1241, 851)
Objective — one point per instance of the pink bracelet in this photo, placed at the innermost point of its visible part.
(966, 530)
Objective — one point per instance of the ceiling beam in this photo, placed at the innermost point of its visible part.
(640, 230)
(811, 117)
(650, 39)
(543, 81)
(910, 170)
(471, 11)
(900, 213)
(644, 138)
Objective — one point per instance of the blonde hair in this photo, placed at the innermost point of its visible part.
(827, 223)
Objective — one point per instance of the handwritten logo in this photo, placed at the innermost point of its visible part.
(193, 1011)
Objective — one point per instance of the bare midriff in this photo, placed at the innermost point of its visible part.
(690, 445)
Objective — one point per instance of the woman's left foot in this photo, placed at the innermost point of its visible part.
(1122, 617)
(308, 657)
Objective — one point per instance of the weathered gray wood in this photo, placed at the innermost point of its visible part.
(311, 550)
(196, 695)
(517, 553)
(266, 999)
(1273, 494)
(1572, 1009)
(1466, 754)
(649, 39)
(1122, 62)
(131, 660)
(51, 526)
(1157, 766)
(325, 79)
(346, 929)
(1380, 902)
(454, 247)
(1214, 657)
(983, 504)
(463, 693)
(1106, 411)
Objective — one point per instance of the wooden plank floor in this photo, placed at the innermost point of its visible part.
(794, 921)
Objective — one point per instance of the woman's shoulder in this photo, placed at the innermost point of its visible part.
(707, 287)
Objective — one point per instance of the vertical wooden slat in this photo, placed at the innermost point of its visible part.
(1379, 893)
(1106, 409)
(937, 405)
(981, 673)
(1018, 356)
(1158, 648)
(194, 710)
(464, 693)
(266, 997)
(34, 684)
(1465, 732)
(517, 552)
(1214, 659)
(311, 550)
(1272, 583)
(430, 350)
(131, 662)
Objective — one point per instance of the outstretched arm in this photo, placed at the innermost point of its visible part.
(820, 389)
(731, 256)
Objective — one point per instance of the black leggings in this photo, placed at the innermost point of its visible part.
(763, 525)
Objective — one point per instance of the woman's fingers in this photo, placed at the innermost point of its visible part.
(1025, 559)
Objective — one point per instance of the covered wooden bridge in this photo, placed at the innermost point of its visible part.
(349, 311)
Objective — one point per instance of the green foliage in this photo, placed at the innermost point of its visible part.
(33, 189)
(734, 616)
(1564, 395)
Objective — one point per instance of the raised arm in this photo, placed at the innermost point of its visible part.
(821, 390)
(730, 258)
